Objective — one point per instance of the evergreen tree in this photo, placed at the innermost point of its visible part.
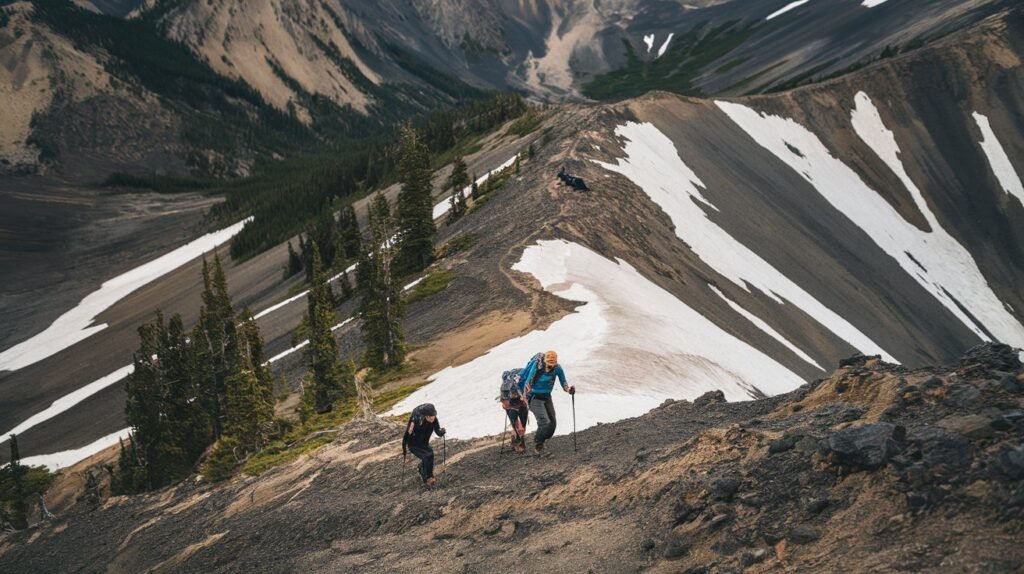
(213, 337)
(350, 237)
(249, 398)
(331, 379)
(474, 191)
(18, 516)
(294, 262)
(457, 182)
(416, 228)
(381, 309)
(191, 428)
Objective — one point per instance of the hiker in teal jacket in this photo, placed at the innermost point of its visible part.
(536, 383)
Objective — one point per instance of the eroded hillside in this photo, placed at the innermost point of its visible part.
(874, 467)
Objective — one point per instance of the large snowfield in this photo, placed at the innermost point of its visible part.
(628, 346)
(653, 164)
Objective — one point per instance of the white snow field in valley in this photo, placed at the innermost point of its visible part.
(654, 165)
(934, 259)
(77, 324)
(628, 346)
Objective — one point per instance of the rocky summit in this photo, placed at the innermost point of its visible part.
(874, 468)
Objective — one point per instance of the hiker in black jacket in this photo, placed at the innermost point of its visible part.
(422, 424)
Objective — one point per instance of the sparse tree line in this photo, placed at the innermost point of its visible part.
(205, 397)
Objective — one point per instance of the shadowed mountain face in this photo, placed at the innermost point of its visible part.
(81, 94)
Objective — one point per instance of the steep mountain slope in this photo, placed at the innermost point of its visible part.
(741, 245)
(874, 468)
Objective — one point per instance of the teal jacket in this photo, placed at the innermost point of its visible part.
(536, 380)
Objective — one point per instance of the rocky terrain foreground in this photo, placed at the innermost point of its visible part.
(874, 469)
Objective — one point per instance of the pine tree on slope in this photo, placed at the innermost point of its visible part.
(416, 228)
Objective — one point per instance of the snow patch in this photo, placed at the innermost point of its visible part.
(64, 459)
(291, 300)
(69, 400)
(77, 324)
(629, 346)
(935, 260)
(787, 8)
(654, 165)
(664, 46)
(413, 284)
(284, 354)
(442, 208)
(872, 3)
(766, 328)
(998, 159)
(649, 40)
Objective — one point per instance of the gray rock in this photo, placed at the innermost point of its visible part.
(973, 426)
(817, 505)
(647, 544)
(804, 535)
(709, 398)
(865, 447)
(674, 549)
(1011, 461)
(753, 557)
(782, 445)
(725, 488)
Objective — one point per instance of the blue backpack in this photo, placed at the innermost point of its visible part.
(510, 385)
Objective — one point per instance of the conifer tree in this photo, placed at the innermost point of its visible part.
(331, 379)
(350, 237)
(381, 309)
(416, 228)
(474, 190)
(213, 336)
(249, 401)
(294, 262)
(456, 183)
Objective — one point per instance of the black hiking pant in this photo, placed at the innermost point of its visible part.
(518, 415)
(543, 409)
(426, 456)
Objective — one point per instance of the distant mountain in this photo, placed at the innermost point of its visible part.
(94, 93)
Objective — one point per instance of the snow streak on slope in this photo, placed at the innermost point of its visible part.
(284, 354)
(935, 260)
(653, 164)
(627, 349)
(69, 400)
(766, 328)
(64, 459)
(872, 3)
(442, 208)
(998, 159)
(664, 46)
(787, 8)
(77, 324)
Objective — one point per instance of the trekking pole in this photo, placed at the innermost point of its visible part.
(504, 429)
(444, 457)
(574, 449)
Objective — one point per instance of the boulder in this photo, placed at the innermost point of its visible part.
(865, 447)
(804, 535)
(709, 398)
(973, 426)
(725, 488)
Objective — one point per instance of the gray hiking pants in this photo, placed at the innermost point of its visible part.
(543, 409)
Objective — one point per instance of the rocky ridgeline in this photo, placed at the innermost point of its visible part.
(876, 468)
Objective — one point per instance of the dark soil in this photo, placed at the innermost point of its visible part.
(876, 468)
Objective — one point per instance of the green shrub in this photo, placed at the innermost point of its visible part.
(432, 284)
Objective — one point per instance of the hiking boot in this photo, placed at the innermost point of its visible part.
(430, 481)
(539, 447)
(520, 449)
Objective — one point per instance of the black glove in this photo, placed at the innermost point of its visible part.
(572, 390)
(441, 432)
